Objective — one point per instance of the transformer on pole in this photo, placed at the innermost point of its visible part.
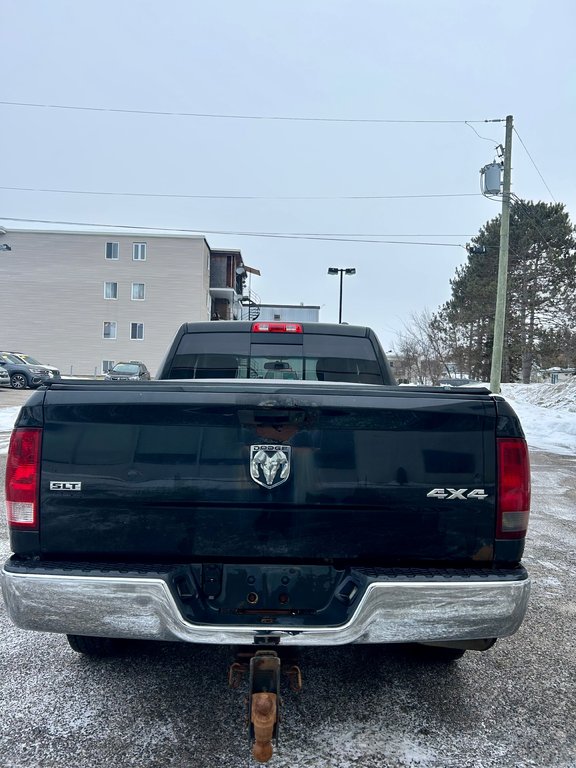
(491, 178)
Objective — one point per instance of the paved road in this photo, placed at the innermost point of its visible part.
(168, 706)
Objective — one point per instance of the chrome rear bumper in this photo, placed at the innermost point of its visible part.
(144, 608)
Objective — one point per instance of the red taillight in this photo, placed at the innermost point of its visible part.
(276, 328)
(22, 470)
(513, 488)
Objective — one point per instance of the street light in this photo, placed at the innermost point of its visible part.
(341, 272)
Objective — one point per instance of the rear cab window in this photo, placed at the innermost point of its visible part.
(308, 356)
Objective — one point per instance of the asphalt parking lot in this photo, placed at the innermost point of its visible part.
(13, 397)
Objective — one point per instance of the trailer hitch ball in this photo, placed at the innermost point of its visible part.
(264, 701)
(264, 717)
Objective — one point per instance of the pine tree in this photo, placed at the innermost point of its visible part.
(541, 294)
(542, 275)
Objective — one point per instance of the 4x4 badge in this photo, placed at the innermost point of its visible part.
(270, 464)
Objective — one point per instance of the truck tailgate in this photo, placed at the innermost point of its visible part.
(257, 471)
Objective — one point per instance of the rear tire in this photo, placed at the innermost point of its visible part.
(94, 646)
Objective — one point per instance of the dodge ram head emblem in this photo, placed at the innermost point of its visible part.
(270, 464)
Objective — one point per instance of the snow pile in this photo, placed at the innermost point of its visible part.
(560, 396)
(547, 413)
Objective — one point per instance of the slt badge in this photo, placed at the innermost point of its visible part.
(270, 464)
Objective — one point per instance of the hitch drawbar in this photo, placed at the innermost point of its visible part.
(264, 700)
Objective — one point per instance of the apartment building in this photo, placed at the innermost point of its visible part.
(84, 300)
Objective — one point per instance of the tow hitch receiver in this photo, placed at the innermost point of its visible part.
(264, 700)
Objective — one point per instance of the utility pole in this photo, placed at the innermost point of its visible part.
(500, 314)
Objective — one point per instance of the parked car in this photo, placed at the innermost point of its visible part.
(131, 370)
(458, 382)
(23, 375)
(4, 377)
(279, 370)
(29, 360)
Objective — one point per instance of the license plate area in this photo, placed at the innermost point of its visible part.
(267, 594)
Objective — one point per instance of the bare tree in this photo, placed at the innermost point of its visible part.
(421, 355)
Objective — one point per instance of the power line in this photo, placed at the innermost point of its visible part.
(492, 141)
(236, 197)
(222, 116)
(535, 166)
(235, 233)
(369, 234)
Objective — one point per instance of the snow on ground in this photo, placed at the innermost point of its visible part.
(547, 413)
(559, 396)
(7, 419)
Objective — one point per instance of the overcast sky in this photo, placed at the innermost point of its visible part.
(355, 60)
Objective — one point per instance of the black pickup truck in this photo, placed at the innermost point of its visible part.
(274, 487)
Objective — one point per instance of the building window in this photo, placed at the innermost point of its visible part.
(137, 331)
(106, 365)
(112, 250)
(110, 290)
(138, 291)
(139, 251)
(109, 330)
